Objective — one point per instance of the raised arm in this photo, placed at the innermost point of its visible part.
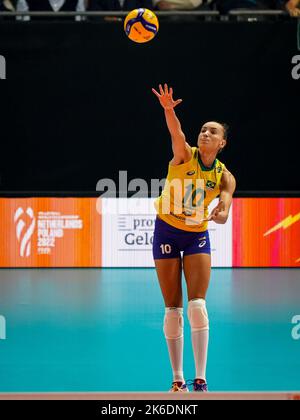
(221, 212)
(293, 7)
(181, 149)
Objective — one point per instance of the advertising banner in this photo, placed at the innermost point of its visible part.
(118, 232)
(49, 232)
(266, 232)
(128, 227)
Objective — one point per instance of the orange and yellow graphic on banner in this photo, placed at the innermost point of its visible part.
(266, 232)
(50, 232)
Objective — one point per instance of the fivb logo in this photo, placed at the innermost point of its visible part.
(2, 328)
(296, 69)
(2, 67)
(25, 224)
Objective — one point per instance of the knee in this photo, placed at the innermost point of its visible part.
(198, 315)
(173, 323)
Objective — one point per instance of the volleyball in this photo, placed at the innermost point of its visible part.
(141, 25)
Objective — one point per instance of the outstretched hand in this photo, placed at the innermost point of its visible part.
(216, 212)
(166, 97)
(292, 6)
(294, 12)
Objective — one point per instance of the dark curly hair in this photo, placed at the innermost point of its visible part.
(226, 130)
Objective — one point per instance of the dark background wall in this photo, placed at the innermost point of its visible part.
(77, 104)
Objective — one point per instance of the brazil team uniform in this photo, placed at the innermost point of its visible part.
(189, 189)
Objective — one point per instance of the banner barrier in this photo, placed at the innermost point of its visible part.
(118, 232)
(50, 232)
(266, 232)
(128, 234)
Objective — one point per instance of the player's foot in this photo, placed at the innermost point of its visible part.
(199, 385)
(178, 386)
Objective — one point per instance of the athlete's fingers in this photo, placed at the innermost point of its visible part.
(156, 93)
(178, 102)
(219, 207)
(295, 12)
(161, 90)
(213, 216)
(215, 212)
(171, 92)
(166, 89)
(216, 209)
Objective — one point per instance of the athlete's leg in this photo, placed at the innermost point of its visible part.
(169, 272)
(197, 269)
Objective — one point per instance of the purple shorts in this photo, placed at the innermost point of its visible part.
(168, 241)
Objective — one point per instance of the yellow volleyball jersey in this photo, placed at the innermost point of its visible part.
(189, 189)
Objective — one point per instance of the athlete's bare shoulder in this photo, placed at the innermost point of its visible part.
(186, 157)
(228, 182)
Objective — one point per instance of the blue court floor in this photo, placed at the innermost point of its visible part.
(101, 330)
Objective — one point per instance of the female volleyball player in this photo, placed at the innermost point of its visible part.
(195, 178)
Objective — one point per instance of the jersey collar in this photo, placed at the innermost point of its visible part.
(206, 168)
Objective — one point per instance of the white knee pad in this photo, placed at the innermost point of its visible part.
(198, 315)
(173, 323)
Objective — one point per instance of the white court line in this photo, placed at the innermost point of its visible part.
(295, 395)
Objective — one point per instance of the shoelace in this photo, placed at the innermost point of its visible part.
(177, 388)
(197, 386)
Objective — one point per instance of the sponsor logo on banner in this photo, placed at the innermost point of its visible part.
(50, 226)
(50, 232)
(284, 224)
(273, 240)
(128, 234)
(24, 229)
(136, 231)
